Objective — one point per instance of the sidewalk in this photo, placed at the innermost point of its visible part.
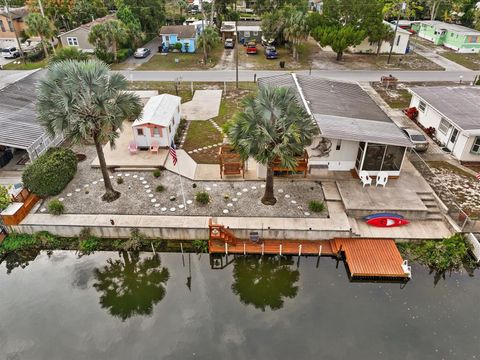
(438, 59)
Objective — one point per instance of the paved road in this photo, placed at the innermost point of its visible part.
(248, 75)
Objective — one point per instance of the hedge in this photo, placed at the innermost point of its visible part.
(50, 173)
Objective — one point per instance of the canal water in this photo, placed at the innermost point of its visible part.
(137, 306)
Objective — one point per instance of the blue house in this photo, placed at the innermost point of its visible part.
(183, 34)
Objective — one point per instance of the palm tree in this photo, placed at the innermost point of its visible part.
(86, 102)
(264, 281)
(272, 126)
(296, 31)
(107, 35)
(131, 286)
(38, 25)
(208, 40)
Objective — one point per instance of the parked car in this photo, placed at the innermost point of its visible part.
(229, 44)
(417, 138)
(141, 53)
(10, 53)
(251, 48)
(271, 52)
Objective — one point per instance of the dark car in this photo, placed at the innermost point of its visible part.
(271, 52)
(251, 48)
(141, 53)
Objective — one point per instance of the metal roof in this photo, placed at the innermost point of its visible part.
(342, 110)
(450, 27)
(461, 104)
(159, 110)
(18, 118)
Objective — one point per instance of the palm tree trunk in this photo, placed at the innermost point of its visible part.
(339, 56)
(269, 197)
(110, 194)
(45, 50)
(295, 52)
(379, 45)
(114, 49)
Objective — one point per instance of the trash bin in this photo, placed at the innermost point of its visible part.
(160, 48)
(282, 64)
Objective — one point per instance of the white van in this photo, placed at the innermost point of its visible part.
(10, 53)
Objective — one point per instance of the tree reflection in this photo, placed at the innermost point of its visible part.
(19, 259)
(131, 285)
(264, 281)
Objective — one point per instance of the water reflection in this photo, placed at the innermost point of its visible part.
(131, 285)
(19, 259)
(265, 281)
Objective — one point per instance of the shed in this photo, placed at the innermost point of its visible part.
(158, 123)
(19, 126)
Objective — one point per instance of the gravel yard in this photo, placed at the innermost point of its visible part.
(139, 195)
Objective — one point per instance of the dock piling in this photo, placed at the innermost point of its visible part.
(281, 245)
(300, 250)
(226, 249)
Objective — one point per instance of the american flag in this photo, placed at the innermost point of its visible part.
(173, 153)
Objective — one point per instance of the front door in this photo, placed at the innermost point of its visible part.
(453, 138)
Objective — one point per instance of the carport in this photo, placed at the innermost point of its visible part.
(18, 120)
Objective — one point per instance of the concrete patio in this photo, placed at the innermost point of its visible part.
(204, 105)
(120, 157)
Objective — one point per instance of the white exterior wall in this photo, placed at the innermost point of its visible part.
(337, 160)
(431, 117)
(165, 140)
(365, 47)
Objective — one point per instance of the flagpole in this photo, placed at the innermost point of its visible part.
(173, 153)
(183, 193)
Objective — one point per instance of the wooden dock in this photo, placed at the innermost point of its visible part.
(366, 259)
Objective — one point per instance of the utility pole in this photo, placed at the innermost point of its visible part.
(41, 7)
(203, 34)
(14, 31)
(403, 6)
(235, 44)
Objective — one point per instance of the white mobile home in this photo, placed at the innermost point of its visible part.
(454, 112)
(401, 43)
(355, 133)
(158, 123)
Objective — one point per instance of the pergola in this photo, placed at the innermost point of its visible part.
(230, 162)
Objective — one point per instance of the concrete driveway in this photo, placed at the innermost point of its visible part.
(205, 105)
(5, 61)
(131, 63)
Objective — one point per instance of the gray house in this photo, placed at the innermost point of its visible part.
(78, 37)
(249, 31)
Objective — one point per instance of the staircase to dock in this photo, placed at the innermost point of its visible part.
(430, 202)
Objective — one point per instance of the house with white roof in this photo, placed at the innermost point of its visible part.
(454, 113)
(401, 43)
(355, 133)
(158, 123)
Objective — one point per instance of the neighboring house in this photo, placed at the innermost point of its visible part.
(183, 34)
(78, 37)
(455, 37)
(316, 5)
(355, 132)
(228, 30)
(401, 43)
(20, 129)
(454, 112)
(7, 28)
(159, 121)
(249, 31)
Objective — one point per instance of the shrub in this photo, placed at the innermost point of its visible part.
(5, 198)
(50, 173)
(69, 53)
(87, 243)
(16, 241)
(200, 246)
(123, 54)
(202, 197)
(104, 55)
(157, 173)
(47, 240)
(119, 180)
(135, 241)
(316, 206)
(178, 46)
(160, 188)
(56, 207)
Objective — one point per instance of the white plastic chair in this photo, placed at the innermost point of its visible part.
(382, 179)
(365, 178)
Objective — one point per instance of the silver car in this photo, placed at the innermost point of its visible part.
(417, 138)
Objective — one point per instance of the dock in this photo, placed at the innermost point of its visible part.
(366, 259)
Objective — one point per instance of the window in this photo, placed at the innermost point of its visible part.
(156, 131)
(422, 106)
(444, 126)
(339, 145)
(380, 157)
(246, 33)
(255, 33)
(476, 146)
(140, 132)
(472, 39)
(72, 41)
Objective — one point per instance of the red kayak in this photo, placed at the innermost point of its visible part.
(386, 221)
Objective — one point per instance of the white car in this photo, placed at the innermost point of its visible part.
(10, 53)
(141, 53)
(419, 140)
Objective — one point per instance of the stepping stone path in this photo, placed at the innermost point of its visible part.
(293, 202)
(239, 193)
(153, 200)
(287, 196)
(225, 211)
(172, 209)
(95, 183)
(77, 190)
(229, 204)
(61, 199)
(157, 205)
(189, 202)
(181, 206)
(262, 186)
(280, 191)
(146, 186)
(69, 194)
(235, 199)
(163, 209)
(43, 210)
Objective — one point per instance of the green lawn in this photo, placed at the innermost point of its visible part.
(471, 61)
(260, 62)
(182, 61)
(27, 66)
(395, 98)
